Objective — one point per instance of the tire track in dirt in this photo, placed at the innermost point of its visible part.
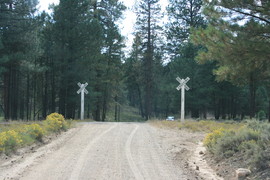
(8, 170)
(151, 158)
(131, 162)
(80, 163)
(59, 164)
(116, 151)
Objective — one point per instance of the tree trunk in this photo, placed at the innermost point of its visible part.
(223, 108)
(97, 112)
(148, 68)
(269, 110)
(167, 104)
(217, 111)
(7, 95)
(22, 106)
(204, 113)
(53, 89)
(15, 94)
(119, 110)
(21, 100)
(45, 96)
(252, 91)
(27, 97)
(34, 97)
(115, 109)
(140, 101)
(105, 102)
(62, 98)
(88, 110)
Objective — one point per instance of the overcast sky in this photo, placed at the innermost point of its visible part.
(126, 25)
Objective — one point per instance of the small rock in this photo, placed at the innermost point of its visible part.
(201, 152)
(197, 168)
(242, 173)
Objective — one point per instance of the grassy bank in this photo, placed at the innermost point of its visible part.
(250, 142)
(206, 126)
(18, 134)
(246, 143)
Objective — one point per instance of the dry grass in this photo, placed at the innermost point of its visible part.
(197, 126)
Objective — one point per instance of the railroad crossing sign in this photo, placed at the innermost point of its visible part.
(183, 86)
(183, 82)
(82, 90)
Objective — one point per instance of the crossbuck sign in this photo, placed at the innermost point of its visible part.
(82, 90)
(183, 86)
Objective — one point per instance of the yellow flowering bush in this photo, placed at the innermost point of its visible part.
(55, 122)
(9, 140)
(211, 138)
(35, 131)
(225, 143)
(3, 138)
(16, 135)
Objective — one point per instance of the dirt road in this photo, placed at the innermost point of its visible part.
(101, 151)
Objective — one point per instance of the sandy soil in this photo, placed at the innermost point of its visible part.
(113, 151)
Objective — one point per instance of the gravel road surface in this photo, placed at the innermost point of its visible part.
(100, 151)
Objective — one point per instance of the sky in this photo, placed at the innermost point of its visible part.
(125, 25)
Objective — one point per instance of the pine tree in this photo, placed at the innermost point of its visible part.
(183, 15)
(133, 78)
(148, 16)
(241, 51)
(18, 44)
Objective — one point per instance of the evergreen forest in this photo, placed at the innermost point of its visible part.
(223, 46)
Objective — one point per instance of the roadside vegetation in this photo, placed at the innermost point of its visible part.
(250, 142)
(246, 142)
(18, 134)
(206, 126)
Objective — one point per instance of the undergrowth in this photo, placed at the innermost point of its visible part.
(251, 141)
(248, 140)
(16, 135)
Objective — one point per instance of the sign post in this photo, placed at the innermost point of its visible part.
(183, 86)
(82, 90)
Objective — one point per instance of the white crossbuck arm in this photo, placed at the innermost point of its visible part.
(183, 83)
(82, 88)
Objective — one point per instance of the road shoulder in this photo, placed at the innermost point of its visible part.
(186, 151)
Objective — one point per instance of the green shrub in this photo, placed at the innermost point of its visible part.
(17, 134)
(229, 143)
(9, 141)
(211, 139)
(35, 131)
(250, 141)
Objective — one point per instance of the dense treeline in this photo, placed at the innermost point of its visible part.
(43, 57)
(227, 59)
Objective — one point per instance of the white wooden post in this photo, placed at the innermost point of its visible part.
(82, 90)
(182, 103)
(82, 104)
(183, 86)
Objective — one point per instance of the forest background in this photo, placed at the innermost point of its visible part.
(223, 46)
